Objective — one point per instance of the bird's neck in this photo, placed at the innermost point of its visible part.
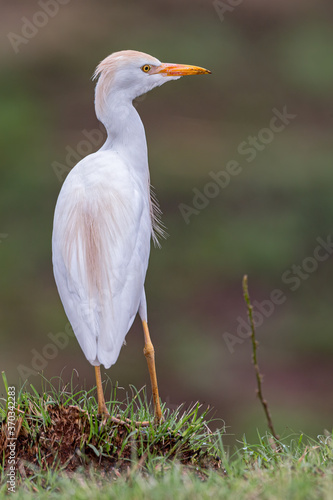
(126, 134)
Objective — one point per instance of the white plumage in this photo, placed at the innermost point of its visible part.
(101, 239)
(104, 217)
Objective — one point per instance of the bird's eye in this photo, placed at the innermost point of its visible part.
(146, 68)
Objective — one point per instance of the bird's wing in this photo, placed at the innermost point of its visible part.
(100, 246)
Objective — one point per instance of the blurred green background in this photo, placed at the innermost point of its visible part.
(263, 55)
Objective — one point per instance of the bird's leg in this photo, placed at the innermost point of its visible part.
(102, 409)
(150, 357)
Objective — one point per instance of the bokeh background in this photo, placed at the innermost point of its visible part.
(263, 55)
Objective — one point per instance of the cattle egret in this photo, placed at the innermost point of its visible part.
(105, 217)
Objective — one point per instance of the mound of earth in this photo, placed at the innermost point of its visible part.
(69, 442)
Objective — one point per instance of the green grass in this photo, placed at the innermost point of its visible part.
(148, 461)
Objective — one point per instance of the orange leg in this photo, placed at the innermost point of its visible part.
(102, 409)
(150, 357)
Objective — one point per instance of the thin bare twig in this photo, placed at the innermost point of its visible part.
(254, 359)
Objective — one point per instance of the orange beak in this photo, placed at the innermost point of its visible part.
(180, 70)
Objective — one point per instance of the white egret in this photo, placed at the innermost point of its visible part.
(105, 217)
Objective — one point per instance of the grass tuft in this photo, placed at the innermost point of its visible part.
(59, 430)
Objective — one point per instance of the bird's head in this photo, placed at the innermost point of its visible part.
(129, 74)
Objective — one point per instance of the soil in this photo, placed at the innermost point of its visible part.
(67, 444)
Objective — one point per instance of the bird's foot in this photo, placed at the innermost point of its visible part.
(106, 417)
(103, 413)
(158, 420)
